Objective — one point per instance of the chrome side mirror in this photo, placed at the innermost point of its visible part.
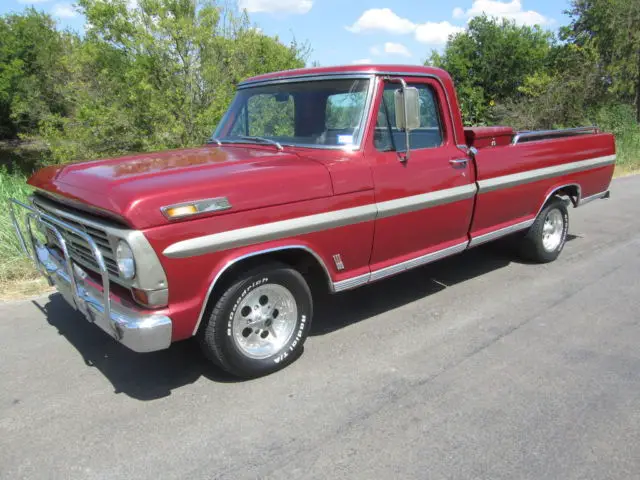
(407, 110)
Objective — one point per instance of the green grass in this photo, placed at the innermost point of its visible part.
(620, 119)
(628, 153)
(14, 266)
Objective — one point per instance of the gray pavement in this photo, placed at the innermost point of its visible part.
(478, 367)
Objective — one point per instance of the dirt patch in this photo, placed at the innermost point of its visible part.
(21, 289)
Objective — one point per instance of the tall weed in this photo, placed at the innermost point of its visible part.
(13, 264)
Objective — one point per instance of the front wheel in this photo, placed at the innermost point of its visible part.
(260, 323)
(544, 241)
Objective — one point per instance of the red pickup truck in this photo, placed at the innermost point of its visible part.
(348, 174)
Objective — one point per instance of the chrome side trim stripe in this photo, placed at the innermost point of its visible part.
(416, 262)
(487, 237)
(507, 181)
(425, 200)
(350, 283)
(591, 198)
(398, 268)
(337, 218)
(313, 223)
(270, 231)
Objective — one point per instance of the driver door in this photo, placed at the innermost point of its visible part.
(425, 204)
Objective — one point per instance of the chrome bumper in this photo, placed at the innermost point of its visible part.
(141, 331)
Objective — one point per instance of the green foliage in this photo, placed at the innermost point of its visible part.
(155, 76)
(620, 120)
(490, 61)
(612, 27)
(158, 76)
(32, 71)
(564, 94)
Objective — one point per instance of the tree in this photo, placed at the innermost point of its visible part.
(490, 61)
(158, 75)
(33, 68)
(566, 93)
(613, 28)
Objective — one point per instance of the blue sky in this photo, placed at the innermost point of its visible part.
(358, 31)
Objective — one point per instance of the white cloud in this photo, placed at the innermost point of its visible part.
(375, 50)
(436, 33)
(510, 10)
(32, 2)
(396, 49)
(382, 19)
(276, 6)
(64, 10)
(362, 61)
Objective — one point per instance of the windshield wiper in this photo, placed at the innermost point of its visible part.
(263, 140)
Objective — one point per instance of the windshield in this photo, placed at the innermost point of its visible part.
(326, 113)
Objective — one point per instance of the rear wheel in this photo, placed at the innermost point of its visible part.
(260, 323)
(544, 241)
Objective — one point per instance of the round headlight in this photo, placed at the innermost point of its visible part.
(126, 263)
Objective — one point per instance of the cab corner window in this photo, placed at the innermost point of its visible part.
(429, 135)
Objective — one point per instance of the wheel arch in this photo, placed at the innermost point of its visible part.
(300, 257)
(571, 190)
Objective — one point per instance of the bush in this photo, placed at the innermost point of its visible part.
(619, 119)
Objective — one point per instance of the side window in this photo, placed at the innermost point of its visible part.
(429, 135)
(270, 115)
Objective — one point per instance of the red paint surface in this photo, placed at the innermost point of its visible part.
(264, 185)
(522, 202)
(482, 137)
(136, 187)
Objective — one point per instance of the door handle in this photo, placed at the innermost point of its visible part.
(459, 162)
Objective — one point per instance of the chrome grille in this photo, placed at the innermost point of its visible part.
(79, 249)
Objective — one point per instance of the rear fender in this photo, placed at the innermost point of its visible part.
(571, 190)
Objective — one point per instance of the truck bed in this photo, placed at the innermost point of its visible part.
(538, 163)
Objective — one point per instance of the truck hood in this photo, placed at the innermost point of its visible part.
(134, 188)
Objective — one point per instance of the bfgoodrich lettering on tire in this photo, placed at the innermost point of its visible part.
(260, 323)
(546, 238)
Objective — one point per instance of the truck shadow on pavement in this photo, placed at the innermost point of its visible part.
(154, 375)
(334, 312)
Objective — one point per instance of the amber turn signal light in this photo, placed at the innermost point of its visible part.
(181, 211)
(140, 296)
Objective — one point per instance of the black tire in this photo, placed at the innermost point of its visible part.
(216, 336)
(532, 246)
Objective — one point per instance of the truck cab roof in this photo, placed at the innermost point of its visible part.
(375, 69)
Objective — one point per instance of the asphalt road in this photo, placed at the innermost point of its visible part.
(476, 367)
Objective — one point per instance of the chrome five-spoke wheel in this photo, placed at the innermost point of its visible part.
(260, 321)
(265, 321)
(553, 230)
(544, 241)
